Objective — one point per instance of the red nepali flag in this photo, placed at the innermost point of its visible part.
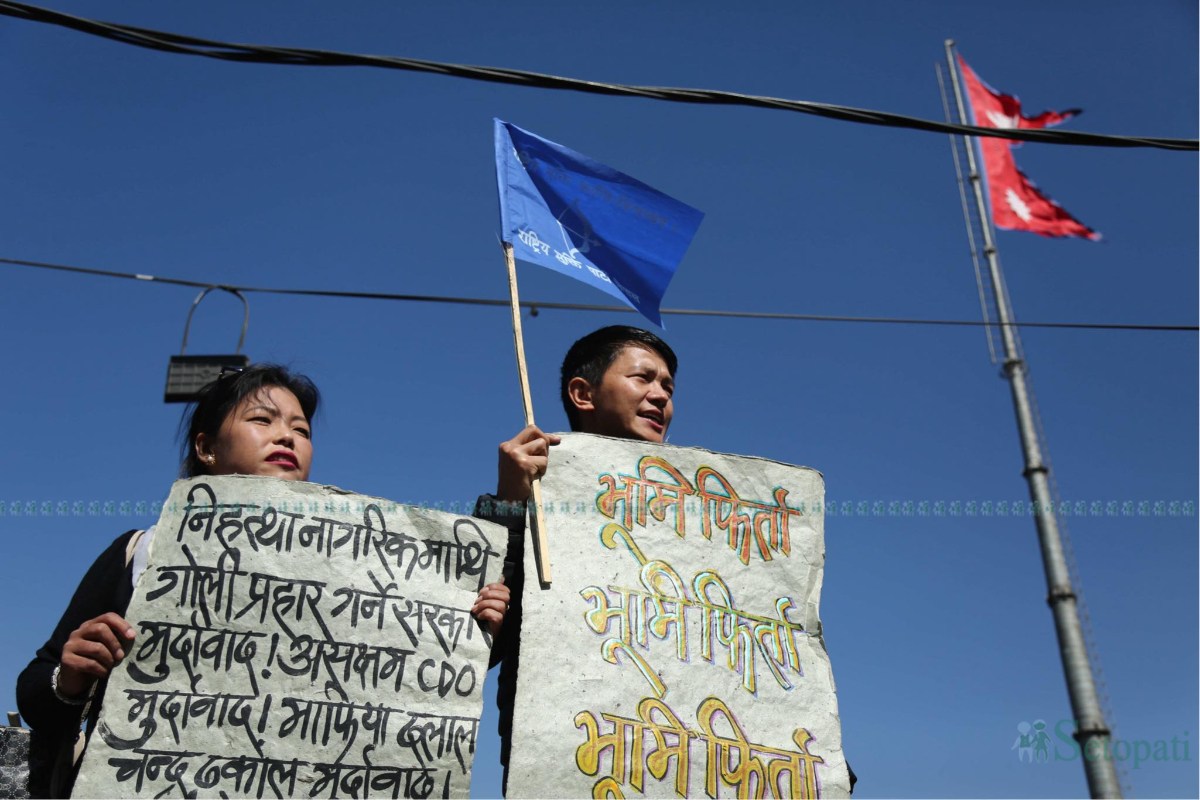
(1017, 203)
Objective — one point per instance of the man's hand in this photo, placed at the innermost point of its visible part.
(491, 605)
(523, 459)
(91, 652)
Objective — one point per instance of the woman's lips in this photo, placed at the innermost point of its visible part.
(284, 458)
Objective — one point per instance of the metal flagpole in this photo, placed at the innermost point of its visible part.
(1091, 731)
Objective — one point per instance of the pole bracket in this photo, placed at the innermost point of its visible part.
(1059, 594)
(1087, 731)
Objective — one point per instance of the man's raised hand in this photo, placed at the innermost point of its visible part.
(523, 459)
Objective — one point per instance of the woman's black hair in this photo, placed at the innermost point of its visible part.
(590, 357)
(218, 399)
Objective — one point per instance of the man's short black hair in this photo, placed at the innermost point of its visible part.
(590, 357)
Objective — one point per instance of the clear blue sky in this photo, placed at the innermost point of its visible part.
(938, 630)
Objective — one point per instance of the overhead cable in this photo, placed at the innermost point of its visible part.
(536, 305)
(262, 54)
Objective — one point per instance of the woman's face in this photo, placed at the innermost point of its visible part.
(266, 434)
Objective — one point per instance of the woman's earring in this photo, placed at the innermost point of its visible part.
(210, 459)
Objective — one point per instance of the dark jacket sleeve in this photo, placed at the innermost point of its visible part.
(505, 650)
(511, 516)
(105, 587)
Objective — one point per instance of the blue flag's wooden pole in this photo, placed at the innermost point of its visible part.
(541, 549)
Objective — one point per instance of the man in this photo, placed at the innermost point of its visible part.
(617, 381)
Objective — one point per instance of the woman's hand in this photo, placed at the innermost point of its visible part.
(491, 605)
(91, 652)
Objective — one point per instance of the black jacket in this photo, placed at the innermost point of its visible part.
(54, 725)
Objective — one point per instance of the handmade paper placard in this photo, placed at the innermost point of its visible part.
(678, 652)
(295, 640)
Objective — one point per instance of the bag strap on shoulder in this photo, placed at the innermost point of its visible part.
(131, 547)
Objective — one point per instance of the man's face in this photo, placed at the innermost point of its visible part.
(633, 400)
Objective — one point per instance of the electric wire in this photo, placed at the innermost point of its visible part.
(295, 56)
(537, 305)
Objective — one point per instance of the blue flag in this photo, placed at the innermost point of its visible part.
(562, 210)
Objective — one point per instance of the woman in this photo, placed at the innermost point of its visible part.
(256, 421)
